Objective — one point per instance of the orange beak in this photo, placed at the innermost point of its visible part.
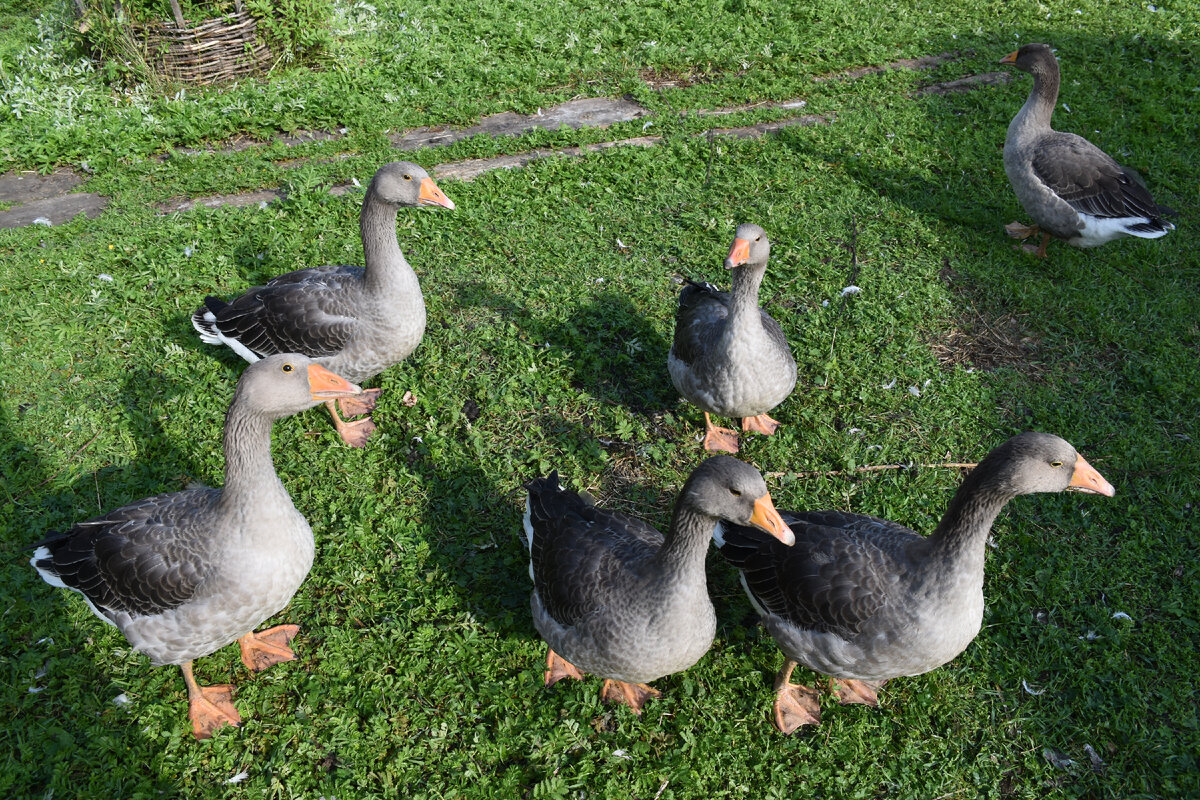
(1011, 58)
(1086, 479)
(431, 195)
(739, 253)
(325, 385)
(766, 517)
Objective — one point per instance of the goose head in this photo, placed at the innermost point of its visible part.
(288, 383)
(1042, 462)
(402, 183)
(750, 246)
(726, 489)
(1036, 59)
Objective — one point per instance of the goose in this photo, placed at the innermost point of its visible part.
(184, 574)
(729, 357)
(864, 600)
(356, 321)
(614, 597)
(1073, 190)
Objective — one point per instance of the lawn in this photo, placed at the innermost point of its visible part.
(550, 292)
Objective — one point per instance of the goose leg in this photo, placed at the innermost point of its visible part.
(558, 668)
(1018, 231)
(269, 647)
(760, 424)
(354, 433)
(633, 695)
(1041, 251)
(722, 440)
(209, 707)
(795, 705)
(850, 691)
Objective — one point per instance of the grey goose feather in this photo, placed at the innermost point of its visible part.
(863, 599)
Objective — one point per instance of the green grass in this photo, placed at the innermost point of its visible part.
(419, 670)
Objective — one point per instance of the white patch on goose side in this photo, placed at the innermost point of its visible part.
(206, 328)
(1098, 230)
(527, 521)
(43, 554)
(238, 347)
(762, 612)
(718, 534)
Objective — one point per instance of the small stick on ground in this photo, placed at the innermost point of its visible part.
(872, 468)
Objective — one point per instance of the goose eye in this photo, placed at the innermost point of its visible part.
(287, 368)
(407, 177)
(735, 493)
(1056, 464)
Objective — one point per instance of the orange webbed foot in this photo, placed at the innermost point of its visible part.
(354, 433)
(717, 439)
(558, 668)
(795, 707)
(269, 647)
(212, 708)
(1018, 230)
(849, 691)
(360, 403)
(633, 695)
(760, 424)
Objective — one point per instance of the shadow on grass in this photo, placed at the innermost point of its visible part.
(617, 355)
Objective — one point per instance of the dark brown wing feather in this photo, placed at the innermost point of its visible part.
(308, 311)
(580, 552)
(1089, 180)
(830, 579)
(143, 558)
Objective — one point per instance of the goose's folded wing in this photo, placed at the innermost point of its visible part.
(581, 560)
(309, 311)
(702, 312)
(834, 578)
(141, 559)
(1089, 180)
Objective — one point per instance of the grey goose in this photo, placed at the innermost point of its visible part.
(614, 597)
(356, 321)
(183, 574)
(863, 599)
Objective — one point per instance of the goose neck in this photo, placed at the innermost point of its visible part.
(686, 542)
(963, 531)
(1039, 106)
(743, 306)
(386, 267)
(249, 471)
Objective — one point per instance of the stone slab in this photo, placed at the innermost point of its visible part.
(56, 210)
(23, 187)
(590, 112)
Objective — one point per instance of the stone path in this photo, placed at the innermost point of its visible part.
(50, 199)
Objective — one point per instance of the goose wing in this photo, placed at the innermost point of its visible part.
(140, 559)
(309, 311)
(1089, 179)
(836, 577)
(581, 556)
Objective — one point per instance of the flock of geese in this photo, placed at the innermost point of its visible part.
(858, 598)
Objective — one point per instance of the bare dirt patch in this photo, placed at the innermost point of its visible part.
(982, 341)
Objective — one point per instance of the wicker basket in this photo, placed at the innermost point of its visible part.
(213, 51)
